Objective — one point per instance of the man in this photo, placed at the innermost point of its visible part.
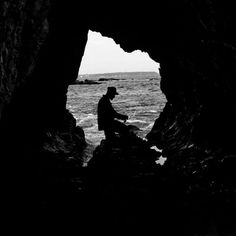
(107, 116)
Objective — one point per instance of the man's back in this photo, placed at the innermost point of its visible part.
(106, 115)
(105, 112)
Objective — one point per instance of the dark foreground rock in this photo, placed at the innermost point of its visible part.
(123, 189)
(177, 198)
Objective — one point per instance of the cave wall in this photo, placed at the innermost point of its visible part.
(24, 27)
(42, 43)
(40, 51)
(40, 56)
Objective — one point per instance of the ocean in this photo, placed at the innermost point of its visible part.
(139, 97)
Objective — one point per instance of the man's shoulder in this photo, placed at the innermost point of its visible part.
(104, 99)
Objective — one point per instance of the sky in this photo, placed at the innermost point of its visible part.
(103, 55)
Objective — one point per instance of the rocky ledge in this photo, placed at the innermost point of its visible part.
(134, 190)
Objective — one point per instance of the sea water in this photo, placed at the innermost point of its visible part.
(139, 97)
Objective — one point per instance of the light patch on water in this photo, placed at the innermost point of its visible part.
(88, 116)
(161, 161)
(136, 121)
(88, 121)
(76, 117)
(92, 128)
(156, 149)
(149, 126)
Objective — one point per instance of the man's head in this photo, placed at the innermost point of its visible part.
(111, 92)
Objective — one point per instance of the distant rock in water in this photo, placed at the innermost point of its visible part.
(107, 79)
(86, 81)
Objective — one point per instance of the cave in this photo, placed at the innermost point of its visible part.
(41, 46)
(135, 75)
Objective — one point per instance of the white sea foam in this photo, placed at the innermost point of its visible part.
(90, 115)
(156, 149)
(87, 118)
(136, 121)
(95, 127)
(161, 160)
(149, 126)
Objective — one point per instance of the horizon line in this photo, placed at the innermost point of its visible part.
(97, 73)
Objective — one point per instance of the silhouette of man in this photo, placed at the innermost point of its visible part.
(107, 116)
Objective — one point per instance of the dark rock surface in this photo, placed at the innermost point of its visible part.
(193, 197)
(41, 46)
(86, 81)
(107, 79)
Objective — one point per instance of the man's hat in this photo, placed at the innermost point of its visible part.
(112, 90)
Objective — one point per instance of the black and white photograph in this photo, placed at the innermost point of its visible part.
(118, 118)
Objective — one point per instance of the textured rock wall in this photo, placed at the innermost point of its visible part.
(40, 52)
(23, 28)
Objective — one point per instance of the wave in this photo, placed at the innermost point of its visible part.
(91, 127)
(88, 121)
(140, 98)
(136, 121)
(87, 117)
(149, 127)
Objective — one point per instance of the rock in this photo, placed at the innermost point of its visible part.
(86, 81)
(107, 79)
(129, 151)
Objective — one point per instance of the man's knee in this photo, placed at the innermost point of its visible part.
(118, 126)
(109, 134)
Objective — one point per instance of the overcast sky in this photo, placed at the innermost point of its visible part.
(103, 55)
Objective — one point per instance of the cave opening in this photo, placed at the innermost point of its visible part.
(135, 75)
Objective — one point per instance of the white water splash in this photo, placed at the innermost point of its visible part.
(161, 160)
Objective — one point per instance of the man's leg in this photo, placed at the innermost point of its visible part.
(109, 134)
(121, 128)
(116, 126)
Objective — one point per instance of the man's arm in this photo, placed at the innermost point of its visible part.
(120, 116)
(114, 113)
